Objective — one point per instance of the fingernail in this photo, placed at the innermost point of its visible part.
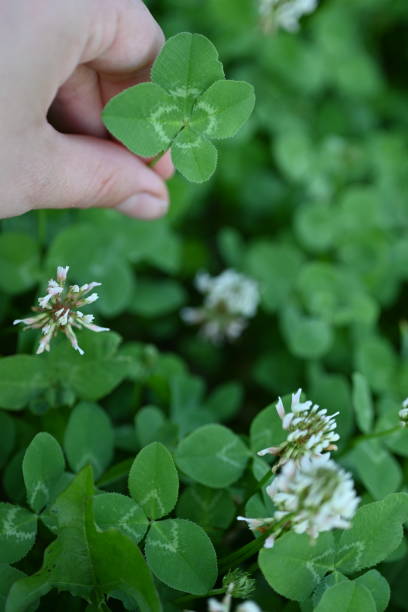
(143, 206)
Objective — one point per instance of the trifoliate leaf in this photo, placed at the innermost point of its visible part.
(188, 102)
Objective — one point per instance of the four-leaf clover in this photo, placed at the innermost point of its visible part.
(188, 103)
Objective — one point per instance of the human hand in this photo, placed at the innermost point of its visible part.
(66, 60)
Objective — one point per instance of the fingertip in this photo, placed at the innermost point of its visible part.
(165, 167)
(143, 206)
(129, 51)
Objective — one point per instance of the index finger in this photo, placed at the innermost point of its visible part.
(127, 46)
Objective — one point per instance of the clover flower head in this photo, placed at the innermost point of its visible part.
(225, 606)
(315, 494)
(248, 606)
(310, 430)
(403, 413)
(230, 300)
(57, 311)
(284, 14)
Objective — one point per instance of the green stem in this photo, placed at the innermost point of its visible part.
(155, 159)
(243, 553)
(250, 549)
(370, 436)
(115, 473)
(264, 480)
(376, 434)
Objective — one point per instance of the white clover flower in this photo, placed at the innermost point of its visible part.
(230, 300)
(311, 496)
(315, 494)
(238, 293)
(57, 311)
(248, 606)
(219, 606)
(284, 14)
(260, 526)
(403, 413)
(225, 605)
(311, 430)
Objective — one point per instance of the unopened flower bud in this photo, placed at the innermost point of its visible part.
(238, 583)
(62, 274)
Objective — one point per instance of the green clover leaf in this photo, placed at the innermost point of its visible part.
(187, 104)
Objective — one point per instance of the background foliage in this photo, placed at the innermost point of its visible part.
(311, 200)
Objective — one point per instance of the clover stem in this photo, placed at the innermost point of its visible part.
(156, 158)
(264, 480)
(243, 553)
(376, 434)
(116, 472)
(369, 436)
(251, 548)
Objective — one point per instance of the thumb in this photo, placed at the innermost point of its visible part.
(84, 171)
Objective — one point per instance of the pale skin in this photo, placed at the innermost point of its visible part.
(60, 62)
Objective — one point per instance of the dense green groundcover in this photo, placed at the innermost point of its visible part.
(142, 452)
